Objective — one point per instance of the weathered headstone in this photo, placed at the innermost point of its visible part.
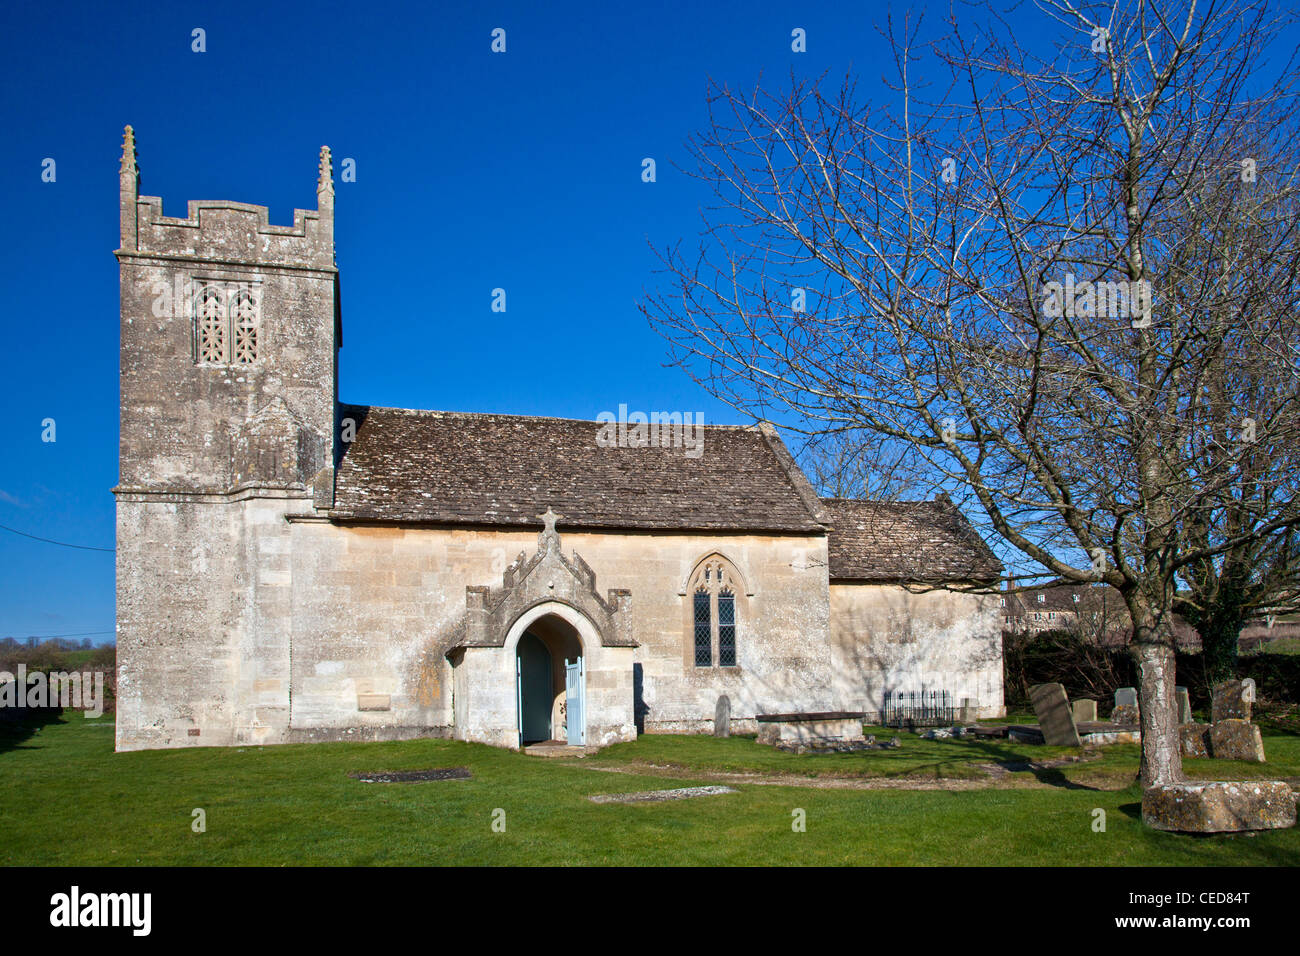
(1184, 705)
(1231, 700)
(722, 717)
(1085, 711)
(1126, 710)
(969, 712)
(1126, 716)
(1236, 740)
(1195, 739)
(1052, 708)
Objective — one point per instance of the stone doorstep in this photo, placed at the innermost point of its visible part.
(558, 750)
(1229, 806)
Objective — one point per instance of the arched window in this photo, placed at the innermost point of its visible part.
(211, 325)
(227, 325)
(714, 619)
(243, 322)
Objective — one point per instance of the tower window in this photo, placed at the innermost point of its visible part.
(227, 324)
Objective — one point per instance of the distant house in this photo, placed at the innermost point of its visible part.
(1096, 610)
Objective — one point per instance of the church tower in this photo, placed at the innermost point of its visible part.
(229, 343)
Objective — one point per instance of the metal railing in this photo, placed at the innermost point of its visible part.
(919, 708)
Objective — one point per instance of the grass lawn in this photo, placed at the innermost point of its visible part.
(66, 798)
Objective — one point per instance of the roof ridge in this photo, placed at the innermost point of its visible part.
(446, 413)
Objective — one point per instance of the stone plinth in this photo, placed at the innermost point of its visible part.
(1219, 807)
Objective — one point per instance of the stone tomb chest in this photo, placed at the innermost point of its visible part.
(811, 729)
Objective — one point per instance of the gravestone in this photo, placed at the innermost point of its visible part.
(1085, 711)
(969, 712)
(1233, 739)
(1231, 700)
(1184, 705)
(1126, 710)
(1052, 708)
(722, 717)
(1195, 739)
(1126, 716)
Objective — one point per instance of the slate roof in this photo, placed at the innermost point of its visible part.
(486, 469)
(922, 541)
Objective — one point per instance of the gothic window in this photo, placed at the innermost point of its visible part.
(227, 325)
(714, 621)
(243, 322)
(726, 629)
(703, 629)
(211, 325)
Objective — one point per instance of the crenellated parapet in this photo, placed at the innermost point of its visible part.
(223, 232)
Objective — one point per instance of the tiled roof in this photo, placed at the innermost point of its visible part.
(485, 469)
(921, 541)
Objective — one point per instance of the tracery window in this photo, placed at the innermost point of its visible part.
(211, 325)
(227, 324)
(714, 620)
(243, 323)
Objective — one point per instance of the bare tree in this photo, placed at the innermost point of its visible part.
(856, 465)
(1007, 277)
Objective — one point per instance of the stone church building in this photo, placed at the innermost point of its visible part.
(294, 568)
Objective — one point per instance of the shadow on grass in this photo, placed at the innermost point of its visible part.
(19, 724)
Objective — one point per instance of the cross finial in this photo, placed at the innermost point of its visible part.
(549, 535)
(325, 181)
(128, 151)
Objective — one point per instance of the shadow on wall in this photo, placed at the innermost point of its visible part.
(930, 648)
(639, 706)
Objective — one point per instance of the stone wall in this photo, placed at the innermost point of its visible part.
(245, 627)
(888, 639)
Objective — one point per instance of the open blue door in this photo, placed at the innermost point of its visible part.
(519, 699)
(575, 695)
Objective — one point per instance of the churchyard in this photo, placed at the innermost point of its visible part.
(69, 799)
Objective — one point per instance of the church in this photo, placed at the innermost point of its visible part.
(295, 568)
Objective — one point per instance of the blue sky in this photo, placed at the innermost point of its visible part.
(474, 171)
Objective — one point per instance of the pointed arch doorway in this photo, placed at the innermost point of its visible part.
(550, 683)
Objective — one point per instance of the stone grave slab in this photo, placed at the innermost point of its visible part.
(1085, 711)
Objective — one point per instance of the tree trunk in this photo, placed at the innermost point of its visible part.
(1162, 758)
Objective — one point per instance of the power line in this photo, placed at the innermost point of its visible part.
(51, 637)
(62, 544)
